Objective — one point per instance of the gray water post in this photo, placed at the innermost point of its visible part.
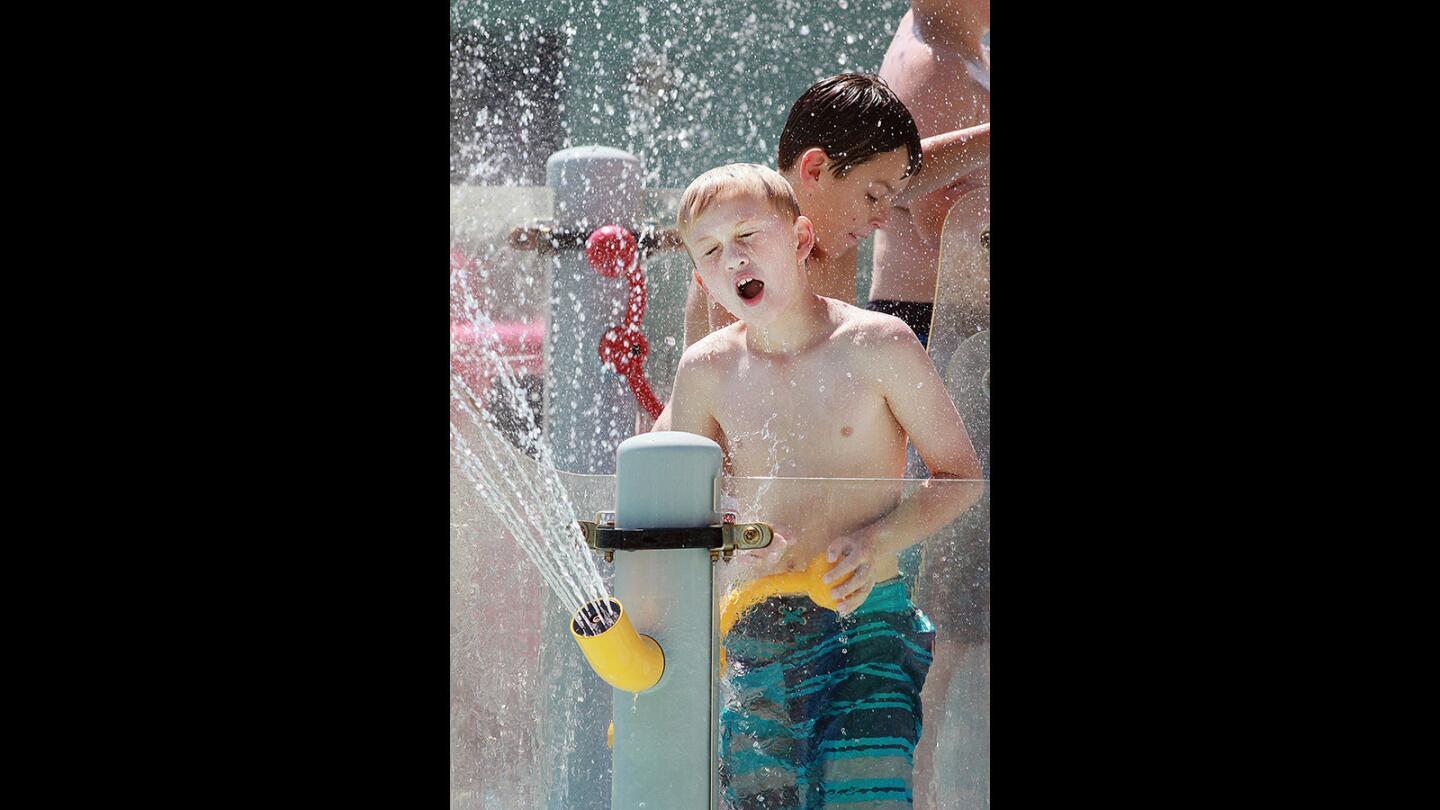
(588, 411)
(664, 753)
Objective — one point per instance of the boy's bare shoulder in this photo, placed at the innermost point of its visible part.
(715, 351)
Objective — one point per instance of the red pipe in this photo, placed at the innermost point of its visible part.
(611, 251)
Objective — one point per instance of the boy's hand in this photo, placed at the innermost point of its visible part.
(851, 553)
(761, 562)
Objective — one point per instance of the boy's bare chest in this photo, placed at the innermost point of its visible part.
(820, 417)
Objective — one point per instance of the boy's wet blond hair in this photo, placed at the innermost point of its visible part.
(732, 180)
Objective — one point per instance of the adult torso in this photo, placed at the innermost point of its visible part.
(944, 89)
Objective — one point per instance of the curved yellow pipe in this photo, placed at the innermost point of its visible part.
(620, 656)
(754, 592)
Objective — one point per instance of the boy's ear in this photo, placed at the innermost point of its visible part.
(699, 281)
(812, 162)
(805, 235)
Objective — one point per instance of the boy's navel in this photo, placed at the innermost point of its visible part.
(846, 431)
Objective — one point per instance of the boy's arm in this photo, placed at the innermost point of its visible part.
(662, 422)
(946, 158)
(918, 399)
(921, 404)
(689, 408)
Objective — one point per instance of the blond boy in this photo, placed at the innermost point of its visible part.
(804, 386)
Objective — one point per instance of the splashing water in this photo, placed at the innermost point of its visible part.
(527, 495)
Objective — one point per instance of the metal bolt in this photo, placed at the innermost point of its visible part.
(750, 535)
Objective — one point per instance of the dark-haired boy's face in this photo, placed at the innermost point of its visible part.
(846, 210)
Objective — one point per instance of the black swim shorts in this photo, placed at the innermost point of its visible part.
(915, 314)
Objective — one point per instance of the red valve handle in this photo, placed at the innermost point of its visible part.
(645, 396)
(623, 349)
(635, 303)
(611, 251)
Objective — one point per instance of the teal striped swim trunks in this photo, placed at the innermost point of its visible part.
(823, 711)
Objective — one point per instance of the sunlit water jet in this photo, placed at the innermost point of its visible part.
(526, 494)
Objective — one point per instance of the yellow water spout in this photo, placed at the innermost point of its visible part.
(752, 593)
(620, 656)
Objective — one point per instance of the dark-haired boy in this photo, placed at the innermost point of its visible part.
(852, 152)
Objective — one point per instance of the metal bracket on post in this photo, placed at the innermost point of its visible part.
(722, 539)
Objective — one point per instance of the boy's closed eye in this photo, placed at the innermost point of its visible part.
(717, 247)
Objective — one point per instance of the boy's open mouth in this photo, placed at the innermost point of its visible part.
(750, 289)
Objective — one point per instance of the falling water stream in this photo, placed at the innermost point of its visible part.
(525, 494)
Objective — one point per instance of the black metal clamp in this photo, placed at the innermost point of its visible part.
(722, 539)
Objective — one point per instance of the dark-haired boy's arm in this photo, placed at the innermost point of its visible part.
(945, 159)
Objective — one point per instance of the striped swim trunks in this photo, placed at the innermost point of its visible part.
(824, 711)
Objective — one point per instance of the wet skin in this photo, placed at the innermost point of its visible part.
(810, 387)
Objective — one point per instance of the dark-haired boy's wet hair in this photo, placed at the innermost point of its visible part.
(853, 117)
